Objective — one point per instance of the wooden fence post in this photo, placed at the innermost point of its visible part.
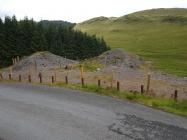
(29, 78)
(19, 78)
(148, 83)
(142, 89)
(82, 81)
(118, 85)
(40, 77)
(175, 95)
(112, 79)
(10, 76)
(66, 78)
(82, 71)
(55, 76)
(1, 76)
(10, 70)
(99, 83)
(52, 79)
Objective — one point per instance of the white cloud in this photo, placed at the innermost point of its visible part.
(80, 10)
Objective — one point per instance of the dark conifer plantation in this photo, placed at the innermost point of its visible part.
(24, 37)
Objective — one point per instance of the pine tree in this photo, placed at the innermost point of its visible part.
(24, 37)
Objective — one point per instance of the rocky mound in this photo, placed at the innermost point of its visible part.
(118, 57)
(43, 60)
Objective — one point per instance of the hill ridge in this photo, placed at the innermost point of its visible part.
(157, 35)
(162, 13)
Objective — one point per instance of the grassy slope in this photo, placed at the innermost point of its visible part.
(146, 34)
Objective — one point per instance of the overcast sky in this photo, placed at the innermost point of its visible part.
(80, 10)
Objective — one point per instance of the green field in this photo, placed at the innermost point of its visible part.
(159, 36)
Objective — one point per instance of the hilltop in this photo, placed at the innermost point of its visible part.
(157, 35)
(153, 15)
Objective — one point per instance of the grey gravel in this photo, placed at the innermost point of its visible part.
(118, 57)
(43, 60)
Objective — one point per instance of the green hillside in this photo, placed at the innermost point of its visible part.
(158, 35)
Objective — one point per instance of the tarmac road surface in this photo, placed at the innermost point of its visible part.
(30, 112)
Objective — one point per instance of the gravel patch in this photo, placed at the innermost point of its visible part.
(43, 60)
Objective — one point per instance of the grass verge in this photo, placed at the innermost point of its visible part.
(168, 105)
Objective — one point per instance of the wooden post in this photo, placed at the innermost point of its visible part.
(82, 81)
(10, 70)
(142, 89)
(99, 83)
(29, 78)
(29, 69)
(55, 75)
(175, 95)
(148, 83)
(118, 85)
(19, 78)
(10, 76)
(1, 76)
(66, 78)
(112, 78)
(52, 78)
(40, 77)
(82, 71)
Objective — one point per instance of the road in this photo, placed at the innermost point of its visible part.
(30, 112)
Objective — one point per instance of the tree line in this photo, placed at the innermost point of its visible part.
(25, 37)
